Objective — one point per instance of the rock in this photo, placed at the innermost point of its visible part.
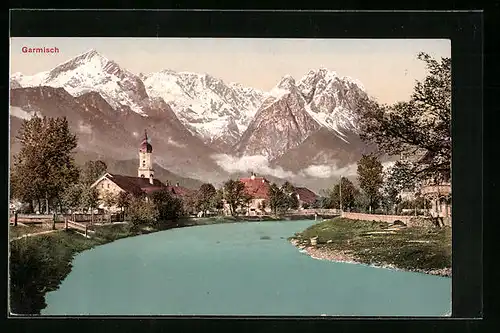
(399, 222)
(329, 241)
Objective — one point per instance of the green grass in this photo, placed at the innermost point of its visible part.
(409, 248)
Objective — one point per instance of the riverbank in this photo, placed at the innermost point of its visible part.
(416, 249)
(39, 264)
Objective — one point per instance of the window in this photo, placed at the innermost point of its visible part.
(143, 163)
(108, 185)
(142, 176)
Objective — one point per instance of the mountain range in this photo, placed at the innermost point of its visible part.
(202, 128)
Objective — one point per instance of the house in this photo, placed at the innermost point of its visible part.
(306, 196)
(437, 190)
(143, 184)
(258, 188)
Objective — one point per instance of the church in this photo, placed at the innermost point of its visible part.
(144, 183)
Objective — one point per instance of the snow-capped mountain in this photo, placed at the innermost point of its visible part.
(331, 99)
(91, 71)
(209, 107)
(192, 117)
(104, 131)
(293, 111)
(281, 123)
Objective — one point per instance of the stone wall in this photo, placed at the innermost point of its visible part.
(410, 221)
(376, 217)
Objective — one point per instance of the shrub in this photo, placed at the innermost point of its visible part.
(141, 213)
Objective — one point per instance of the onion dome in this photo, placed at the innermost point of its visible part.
(145, 145)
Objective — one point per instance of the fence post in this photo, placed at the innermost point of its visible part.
(54, 221)
(15, 218)
(85, 231)
(66, 223)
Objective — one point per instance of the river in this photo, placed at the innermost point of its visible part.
(237, 269)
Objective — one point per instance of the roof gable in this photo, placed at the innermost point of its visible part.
(258, 187)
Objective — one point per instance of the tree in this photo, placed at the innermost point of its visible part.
(292, 200)
(72, 197)
(370, 177)
(419, 126)
(109, 199)
(91, 171)
(45, 164)
(90, 198)
(141, 213)
(287, 187)
(123, 200)
(234, 193)
(169, 207)
(204, 197)
(217, 201)
(349, 192)
(278, 200)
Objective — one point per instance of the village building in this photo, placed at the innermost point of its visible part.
(306, 197)
(145, 183)
(436, 190)
(258, 189)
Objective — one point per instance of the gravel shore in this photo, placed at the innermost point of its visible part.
(348, 257)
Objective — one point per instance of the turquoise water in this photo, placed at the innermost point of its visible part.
(229, 269)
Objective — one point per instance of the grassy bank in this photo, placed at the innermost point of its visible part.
(38, 264)
(420, 249)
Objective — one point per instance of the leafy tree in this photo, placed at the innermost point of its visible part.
(169, 207)
(349, 192)
(217, 200)
(72, 197)
(45, 164)
(90, 198)
(234, 194)
(287, 187)
(204, 197)
(292, 201)
(419, 126)
(278, 200)
(91, 171)
(109, 199)
(370, 177)
(262, 206)
(246, 200)
(141, 213)
(123, 200)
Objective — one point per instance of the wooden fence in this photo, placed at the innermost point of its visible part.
(50, 218)
(79, 227)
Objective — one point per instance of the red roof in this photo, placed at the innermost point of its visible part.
(180, 190)
(258, 187)
(305, 194)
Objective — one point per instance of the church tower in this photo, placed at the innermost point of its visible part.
(145, 169)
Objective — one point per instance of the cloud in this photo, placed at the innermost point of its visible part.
(256, 163)
(175, 143)
(328, 171)
(20, 113)
(260, 165)
(83, 128)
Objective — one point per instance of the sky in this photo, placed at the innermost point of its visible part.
(387, 68)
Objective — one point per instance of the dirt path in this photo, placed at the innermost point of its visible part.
(35, 234)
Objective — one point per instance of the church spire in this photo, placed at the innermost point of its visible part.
(145, 145)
